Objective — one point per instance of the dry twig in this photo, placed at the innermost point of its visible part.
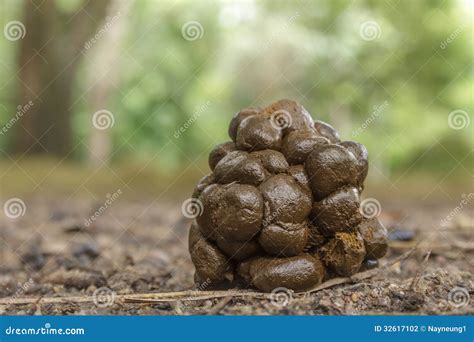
(193, 295)
(420, 272)
(219, 306)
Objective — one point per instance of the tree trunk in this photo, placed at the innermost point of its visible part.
(49, 56)
(105, 56)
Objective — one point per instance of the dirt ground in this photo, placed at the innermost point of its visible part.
(140, 246)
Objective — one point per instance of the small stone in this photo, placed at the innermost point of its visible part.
(369, 264)
(399, 234)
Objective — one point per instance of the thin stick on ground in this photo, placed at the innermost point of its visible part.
(194, 295)
(436, 248)
(219, 306)
(362, 275)
(420, 272)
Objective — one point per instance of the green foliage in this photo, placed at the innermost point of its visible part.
(252, 53)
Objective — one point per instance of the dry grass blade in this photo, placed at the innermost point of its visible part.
(362, 275)
(219, 306)
(193, 295)
(420, 271)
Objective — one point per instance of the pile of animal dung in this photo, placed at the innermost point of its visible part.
(281, 207)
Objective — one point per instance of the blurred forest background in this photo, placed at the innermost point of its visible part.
(97, 95)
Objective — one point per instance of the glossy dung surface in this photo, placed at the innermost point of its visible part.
(281, 207)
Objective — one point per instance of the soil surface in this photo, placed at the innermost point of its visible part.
(140, 247)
